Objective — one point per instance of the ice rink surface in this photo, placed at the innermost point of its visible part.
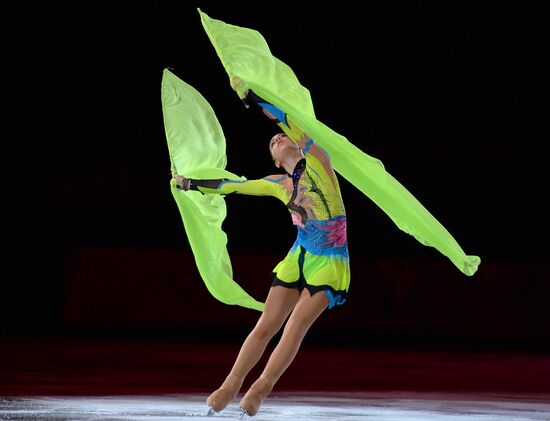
(102, 380)
(294, 406)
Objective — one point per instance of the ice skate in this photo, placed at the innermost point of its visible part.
(243, 413)
(250, 403)
(220, 398)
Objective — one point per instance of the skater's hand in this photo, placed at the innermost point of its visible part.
(182, 183)
(239, 86)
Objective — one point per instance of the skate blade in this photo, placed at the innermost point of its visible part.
(210, 412)
(243, 413)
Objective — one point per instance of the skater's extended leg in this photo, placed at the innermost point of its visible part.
(304, 314)
(279, 303)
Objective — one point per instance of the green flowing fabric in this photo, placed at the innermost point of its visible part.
(196, 145)
(247, 59)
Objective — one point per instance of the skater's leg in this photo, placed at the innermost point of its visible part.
(304, 314)
(279, 303)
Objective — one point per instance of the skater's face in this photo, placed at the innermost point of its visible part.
(281, 147)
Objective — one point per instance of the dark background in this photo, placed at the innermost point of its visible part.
(448, 97)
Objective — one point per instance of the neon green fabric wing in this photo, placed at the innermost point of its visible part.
(196, 145)
(249, 63)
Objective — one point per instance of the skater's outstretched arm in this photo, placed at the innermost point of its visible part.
(267, 186)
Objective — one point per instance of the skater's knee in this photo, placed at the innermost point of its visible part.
(265, 330)
(297, 326)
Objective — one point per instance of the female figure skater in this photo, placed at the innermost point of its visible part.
(315, 273)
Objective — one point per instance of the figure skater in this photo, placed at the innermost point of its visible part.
(314, 275)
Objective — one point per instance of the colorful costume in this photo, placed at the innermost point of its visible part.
(319, 259)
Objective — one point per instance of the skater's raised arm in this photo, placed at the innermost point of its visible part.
(289, 127)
